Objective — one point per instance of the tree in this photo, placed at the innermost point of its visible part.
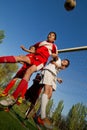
(2, 36)
(6, 72)
(76, 119)
(56, 117)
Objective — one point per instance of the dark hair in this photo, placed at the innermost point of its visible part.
(68, 62)
(54, 34)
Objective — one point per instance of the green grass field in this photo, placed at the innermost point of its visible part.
(13, 120)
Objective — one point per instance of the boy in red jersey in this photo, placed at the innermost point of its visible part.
(43, 50)
(19, 75)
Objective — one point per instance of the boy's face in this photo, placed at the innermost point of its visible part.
(51, 37)
(64, 63)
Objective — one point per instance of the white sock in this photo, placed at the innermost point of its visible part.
(44, 102)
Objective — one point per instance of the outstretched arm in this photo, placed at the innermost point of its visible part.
(27, 50)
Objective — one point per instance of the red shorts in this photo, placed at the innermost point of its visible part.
(30, 56)
(39, 61)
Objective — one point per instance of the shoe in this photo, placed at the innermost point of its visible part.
(38, 120)
(3, 94)
(20, 100)
(44, 122)
(47, 123)
(8, 101)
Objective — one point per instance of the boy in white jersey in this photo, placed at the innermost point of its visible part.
(49, 80)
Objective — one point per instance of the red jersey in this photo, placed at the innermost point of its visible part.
(45, 49)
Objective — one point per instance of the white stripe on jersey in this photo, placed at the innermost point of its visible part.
(48, 45)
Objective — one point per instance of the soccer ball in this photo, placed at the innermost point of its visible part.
(70, 4)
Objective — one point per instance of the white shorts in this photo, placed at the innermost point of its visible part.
(48, 78)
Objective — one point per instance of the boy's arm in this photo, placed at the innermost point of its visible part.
(54, 55)
(59, 80)
(53, 62)
(27, 50)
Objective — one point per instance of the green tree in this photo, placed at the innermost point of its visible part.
(63, 124)
(6, 72)
(2, 36)
(76, 119)
(57, 114)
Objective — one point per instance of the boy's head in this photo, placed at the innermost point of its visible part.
(65, 63)
(32, 48)
(51, 37)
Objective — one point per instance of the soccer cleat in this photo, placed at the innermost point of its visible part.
(3, 94)
(40, 121)
(43, 122)
(47, 123)
(8, 101)
(20, 100)
(7, 109)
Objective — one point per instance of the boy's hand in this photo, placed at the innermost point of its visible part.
(59, 80)
(22, 47)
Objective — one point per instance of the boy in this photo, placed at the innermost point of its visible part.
(42, 52)
(49, 81)
(20, 74)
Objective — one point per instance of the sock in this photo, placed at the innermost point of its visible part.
(19, 89)
(7, 59)
(24, 91)
(44, 102)
(10, 85)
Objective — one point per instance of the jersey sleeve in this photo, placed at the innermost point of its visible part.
(54, 49)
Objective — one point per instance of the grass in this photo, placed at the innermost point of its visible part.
(13, 120)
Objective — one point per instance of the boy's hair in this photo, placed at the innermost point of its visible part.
(31, 47)
(54, 34)
(68, 62)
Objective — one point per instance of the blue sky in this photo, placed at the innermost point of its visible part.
(26, 22)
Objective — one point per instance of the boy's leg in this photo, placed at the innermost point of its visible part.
(9, 86)
(24, 81)
(7, 59)
(12, 99)
(20, 87)
(20, 99)
(14, 59)
(44, 102)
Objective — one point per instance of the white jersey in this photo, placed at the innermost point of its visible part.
(51, 67)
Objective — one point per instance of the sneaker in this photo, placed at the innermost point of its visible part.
(38, 120)
(47, 123)
(20, 100)
(44, 122)
(8, 101)
(3, 94)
